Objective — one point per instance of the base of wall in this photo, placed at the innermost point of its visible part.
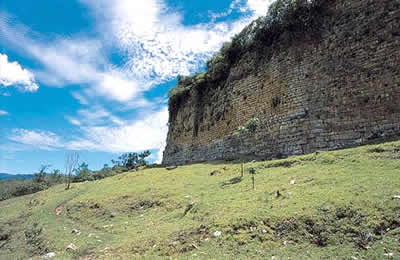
(234, 148)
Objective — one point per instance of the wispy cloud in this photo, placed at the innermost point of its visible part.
(258, 7)
(3, 113)
(157, 44)
(73, 120)
(71, 61)
(44, 140)
(13, 75)
(148, 132)
(95, 116)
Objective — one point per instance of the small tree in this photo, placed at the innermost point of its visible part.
(103, 173)
(132, 160)
(249, 127)
(40, 176)
(56, 176)
(82, 173)
(142, 158)
(252, 172)
(71, 163)
(115, 162)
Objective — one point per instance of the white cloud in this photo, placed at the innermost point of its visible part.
(236, 4)
(98, 116)
(73, 120)
(157, 44)
(3, 113)
(114, 85)
(259, 7)
(44, 140)
(254, 8)
(72, 61)
(148, 132)
(160, 153)
(82, 100)
(12, 74)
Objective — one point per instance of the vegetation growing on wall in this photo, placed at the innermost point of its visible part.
(250, 126)
(287, 19)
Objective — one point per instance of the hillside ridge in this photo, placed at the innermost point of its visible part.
(341, 204)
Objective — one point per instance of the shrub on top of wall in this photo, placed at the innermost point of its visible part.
(289, 17)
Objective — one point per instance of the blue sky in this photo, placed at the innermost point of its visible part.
(92, 76)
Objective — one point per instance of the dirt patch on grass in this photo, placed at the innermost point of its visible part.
(4, 237)
(76, 210)
(87, 253)
(133, 206)
(232, 181)
(18, 221)
(244, 231)
(389, 153)
(59, 210)
(187, 240)
(34, 203)
(396, 149)
(141, 205)
(319, 230)
(284, 164)
(334, 226)
(34, 239)
(215, 173)
(12, 234)
(176, 244)
(377, 150)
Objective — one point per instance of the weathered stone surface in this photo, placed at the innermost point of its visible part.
(337, 90)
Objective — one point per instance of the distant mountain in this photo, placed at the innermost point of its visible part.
(6, 176)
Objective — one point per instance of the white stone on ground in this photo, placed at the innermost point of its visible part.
(217, 234)
(49, 255)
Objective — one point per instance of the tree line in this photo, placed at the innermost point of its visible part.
(75, 171)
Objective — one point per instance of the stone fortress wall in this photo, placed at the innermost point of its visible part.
(338, 89)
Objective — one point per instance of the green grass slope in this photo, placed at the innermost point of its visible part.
(330, 205)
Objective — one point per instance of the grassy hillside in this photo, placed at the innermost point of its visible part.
(335, 205)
